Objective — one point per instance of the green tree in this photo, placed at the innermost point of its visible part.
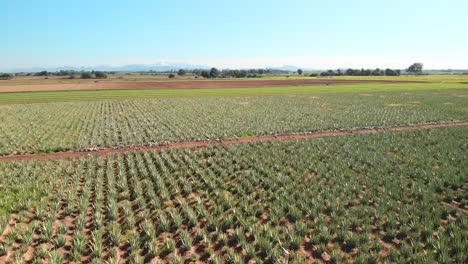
(214, 73)
(181, 72)
(100, 75)
(415, 68)
(205, 74)
(86, 75)
(6, 76)
(299, 71)
(171, 75)
(42, 73)
(197, 72)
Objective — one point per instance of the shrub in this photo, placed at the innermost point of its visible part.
(86, 75)
(100, 75)
(6, 76)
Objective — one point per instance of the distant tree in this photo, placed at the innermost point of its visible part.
(299, 71)
(377, 72)
(197, 72)
(415, 68)
(253, 75)
(171, 75)
(6, 76)
(100, 75)
(390, 72)
(366, 72)
(42, 73)
(324, 74)
(205, 74)
(313, 75)
(214, 73)
(86, 75)
(328, 73)
(349, 72)
(240, 73)
(181, 72)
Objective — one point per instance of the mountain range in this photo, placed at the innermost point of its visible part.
(157, 67)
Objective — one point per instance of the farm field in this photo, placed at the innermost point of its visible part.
(182, 84)
(119, 94)
(62, 126)
(395, 197)
(247, 132)
(135, 77)
(420, 78)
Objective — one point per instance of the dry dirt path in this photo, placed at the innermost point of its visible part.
(227, 141)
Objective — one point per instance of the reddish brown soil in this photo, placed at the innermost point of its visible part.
(177, 84)
(228, 141)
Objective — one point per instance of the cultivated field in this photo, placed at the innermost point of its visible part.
(179, 84)
(420, 78)
(87, 125)
(136, 77)
(391, 196)
(119, 94)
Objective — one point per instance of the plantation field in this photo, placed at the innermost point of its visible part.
(389, 197)
(420, 78)
(141, 93)
(33, 80)
(36, 128)
(135, 77)
(183, 84)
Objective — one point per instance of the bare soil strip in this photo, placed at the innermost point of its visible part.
(227, 141)
(178, 84)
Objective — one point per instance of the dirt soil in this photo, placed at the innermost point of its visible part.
(176, 84)
(228, 141)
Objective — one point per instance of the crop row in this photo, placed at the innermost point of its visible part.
(395, 197)
(85, 125)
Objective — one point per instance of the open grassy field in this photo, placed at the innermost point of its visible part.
(119, 94)
(86, 125)
(395, 197)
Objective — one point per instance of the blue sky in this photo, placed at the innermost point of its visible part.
(307, 33)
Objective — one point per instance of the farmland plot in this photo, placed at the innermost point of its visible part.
(394, 197)
(83, 125)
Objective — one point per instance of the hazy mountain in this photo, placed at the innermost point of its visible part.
(157, 67)
(161, 66)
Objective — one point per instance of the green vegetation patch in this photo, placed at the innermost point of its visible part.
(119, 94)
(20, 197)
(396, 197)
(54, 127)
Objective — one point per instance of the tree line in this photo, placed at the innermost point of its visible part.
(226, 73)
(359, 72)
(75, 74)
(415, 68)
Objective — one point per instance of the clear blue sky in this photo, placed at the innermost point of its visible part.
(49, 32)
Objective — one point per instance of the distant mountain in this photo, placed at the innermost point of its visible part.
(158, 67)
(285, 68)
(292, 68)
